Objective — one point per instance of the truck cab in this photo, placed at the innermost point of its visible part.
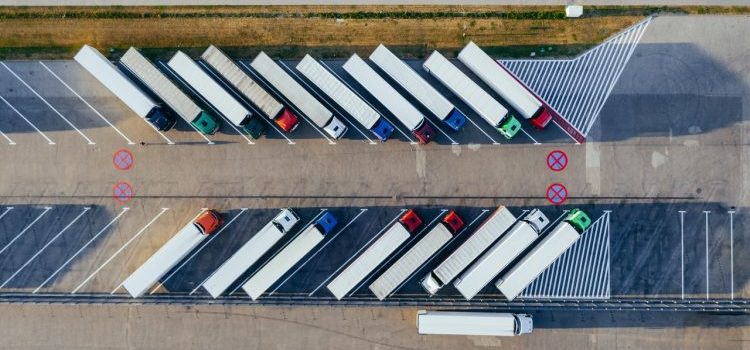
(162, 120)
(254, 126)
(326, 223)
(206, 123)
(509, 127)
(286, 220)
(579, 220)
(455, 120)
(382, 130)
(287, 120)
(536, 219)
(208, 222)
(410, 220)
(424, 133)
(336, 128)
(542, 117)
(431, 283)
(524, 324)
(453, 222)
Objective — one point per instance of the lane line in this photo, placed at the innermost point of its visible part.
(54, 238)
(138, 234)
(124, 210)
(453, 142)
(731, 253)
(86, 102)
(50, 142)
(46, 209)
(7, 209)
(682, 251)
(707, 290)
(494, 142)
(10, 142)
(88, 140)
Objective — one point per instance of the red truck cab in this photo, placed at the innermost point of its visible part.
(410, 220)
(453, 221)
(424, 133)
(287, 120)
(209, 221)
(542, 118)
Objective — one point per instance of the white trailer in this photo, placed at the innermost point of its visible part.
(417, 255)
(292, 90)
(473, 323)
(501, 254)
(411, 117)
(400, 72)
(344, 97)
(504, 84)
(250, 252)
(114, 80)
(551, 247)
(473, 95)
(372, 257)
(492, 228)
(168, 92)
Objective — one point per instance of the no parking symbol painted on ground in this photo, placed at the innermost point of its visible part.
(122, 192)
(123, 159)
(557, 160)
(557, 193)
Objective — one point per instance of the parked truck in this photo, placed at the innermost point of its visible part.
(551, 247)
(417, 255)
(505, 85)
(390, 98)
(172, 252)
(345, 97)
(473, 323)
(490, 230)
(250, 252)
(473, 95)
(225, 103)
(168, 92)
(289, 256)
(415, 85)
(250, 89)
(115, 81)
(501, 254)
(374, 255)
(301, 98)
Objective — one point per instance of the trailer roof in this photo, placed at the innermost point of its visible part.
(466, 323)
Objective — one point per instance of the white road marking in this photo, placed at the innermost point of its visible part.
(7, 210)
(88, 140)
(529, 135)
(494, 142)
(125, 209)
(453, 142)
(707, 290)
(86, 102)
(682, 252)
(10, 142)
(138, 234)
(731, 253)
(46, 209)
(50, 142)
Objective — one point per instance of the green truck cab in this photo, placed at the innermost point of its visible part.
(206, 123)
(509, 127)
(579, 220)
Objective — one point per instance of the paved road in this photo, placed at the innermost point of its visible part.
(366, 2)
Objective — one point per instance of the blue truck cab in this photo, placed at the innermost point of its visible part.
(382, 129)
(455, 119)
(326, 223)
(161, 119)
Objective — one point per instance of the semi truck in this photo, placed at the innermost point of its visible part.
(417, 255)
(289, 256)
(490, 230)
(374, 255)
(542, 255)
(473, 323)
(415, 85)
(250, 89)
(168, 92)
(225, 103)
(505, 85)
(501, 254)
(301, 98)
(390, 98)
(468, 91)
(345, 97)
(172, 252)
(115, 81)
(250, 252)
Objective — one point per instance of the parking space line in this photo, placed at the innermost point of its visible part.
(288, 103)
(160, 284)
(90, 142)
(10, 142)
(50, 142)
(682, 252)
(138, 234)
(453, 142)
(494, 142)
(330, 105)
(361, 211)
(86, 102)
(241, 99)
(125, 209)
(7, 209)
(382, 115)
(54, 238)
(706, 214)
(358, 251)
(731, 253)
(46, 209)
(529, 135)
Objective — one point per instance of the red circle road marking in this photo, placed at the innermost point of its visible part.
(557, 160)
(123, 159)
(557, 194)
(122, 192)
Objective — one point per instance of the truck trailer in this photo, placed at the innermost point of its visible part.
(473, 95)
(225, 103)
(115, 81)
(551, 247)
(390, 98)
(289, 256)
(490, 230)
(501, 254)
(250, 89)
(345, 97)
(473, 323)
(415, 85)
(374, 255)
(172, 253)
(505, 85)
(292, 90)
(168, 92)
(250, 252)
(417, 255)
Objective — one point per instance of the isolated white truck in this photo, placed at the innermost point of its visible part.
(473, 323)
(168, 92)
(114, 80)
(250, 252)
(292, 90)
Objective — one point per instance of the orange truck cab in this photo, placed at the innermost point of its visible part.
(209, 222)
